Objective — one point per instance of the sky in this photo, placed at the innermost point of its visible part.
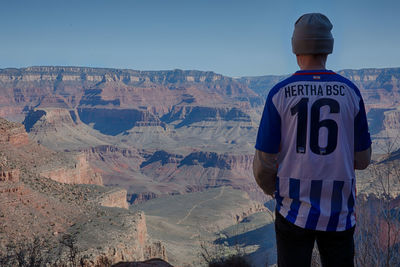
(230, 37)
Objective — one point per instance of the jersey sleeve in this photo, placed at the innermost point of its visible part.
(362, 138)
(269, 132)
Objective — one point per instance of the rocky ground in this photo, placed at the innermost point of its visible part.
(33, 206)
(189, 224)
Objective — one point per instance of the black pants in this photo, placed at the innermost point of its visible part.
(295, 245)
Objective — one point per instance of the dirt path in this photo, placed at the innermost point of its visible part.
(202, 202)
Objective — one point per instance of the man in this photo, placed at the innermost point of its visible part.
(313, 134)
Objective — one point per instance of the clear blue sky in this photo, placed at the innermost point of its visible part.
(234, 38)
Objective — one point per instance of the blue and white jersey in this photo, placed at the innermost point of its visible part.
(315, 120)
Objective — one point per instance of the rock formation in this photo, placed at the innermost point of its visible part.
(13, 133)
(74, 87)
(157, 173)
(65, 168)
(9, 175)
(33, 206)
(153, 133)
(184, 222)
(114, 198)
(120, 236)
(392, 120)
(164, 132)
(79, 173)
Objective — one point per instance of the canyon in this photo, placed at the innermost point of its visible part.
(144, 140)
(161, 133)
(67, 199)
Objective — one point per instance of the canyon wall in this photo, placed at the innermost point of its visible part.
(392, 120)
(33, 206)
(114, 198)
(80, 173)
(160, 133)
(148, 174)
(13, 133)
(72, 87)
(134, 245)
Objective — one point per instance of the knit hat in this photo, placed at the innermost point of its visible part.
(312, 35)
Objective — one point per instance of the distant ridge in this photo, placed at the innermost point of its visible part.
(99, 70)
(262, 84)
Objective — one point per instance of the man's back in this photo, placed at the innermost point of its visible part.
(314, 129)
(318, 118)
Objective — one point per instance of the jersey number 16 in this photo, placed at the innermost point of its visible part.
(301, 109)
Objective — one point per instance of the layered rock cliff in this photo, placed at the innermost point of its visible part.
(119, 236)
(61, 129)
(148, 174)
(392, 120)
(72, 87)
(380, 87)
(13, 133)
(187, 115)
(33, 206)
(61, 167)
(164, 132)
(114, 198)
(80, 173)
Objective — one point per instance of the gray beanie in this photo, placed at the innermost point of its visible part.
(312, 35)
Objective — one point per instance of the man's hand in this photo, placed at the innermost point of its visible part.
(265, 170)
(362, 159)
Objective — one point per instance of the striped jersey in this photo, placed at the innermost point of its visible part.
(315, 120)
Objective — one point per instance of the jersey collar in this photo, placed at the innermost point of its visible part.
(313, 72)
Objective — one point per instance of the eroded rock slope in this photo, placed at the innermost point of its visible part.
(34, 206)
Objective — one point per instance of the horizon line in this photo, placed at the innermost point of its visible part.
(175, 69)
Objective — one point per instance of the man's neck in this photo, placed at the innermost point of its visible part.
(311, 62)
(313, 67)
